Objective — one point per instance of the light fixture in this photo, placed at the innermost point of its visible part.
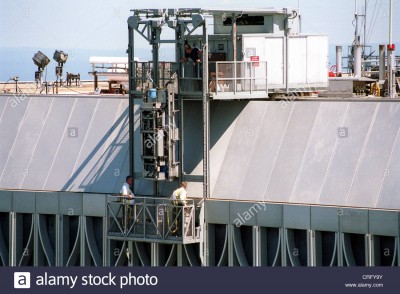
(41, 61)
(60, 57)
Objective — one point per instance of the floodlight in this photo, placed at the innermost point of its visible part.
(40, 60)
(60, 56)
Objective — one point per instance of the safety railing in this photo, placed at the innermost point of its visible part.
(191, 78)
(239, 77)
(151, 219)
(144, 73)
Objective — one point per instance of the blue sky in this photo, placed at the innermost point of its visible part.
(102, 23)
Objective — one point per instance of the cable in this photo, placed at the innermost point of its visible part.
(376, 18)
(373, 15)
(18, 88)
(6, 84)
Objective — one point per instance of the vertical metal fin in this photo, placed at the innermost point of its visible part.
(45, 240)
(237, 242)
(91, 242)
(74, 255)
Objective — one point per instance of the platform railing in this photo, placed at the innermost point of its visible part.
(144, 73)
(152, 219)
(239, 77)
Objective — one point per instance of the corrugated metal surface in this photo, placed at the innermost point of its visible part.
(63, 143)
(330, 153)
(316, 152)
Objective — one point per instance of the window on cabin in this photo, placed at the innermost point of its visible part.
(246, 20)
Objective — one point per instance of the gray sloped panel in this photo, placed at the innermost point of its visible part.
(319, 151)
(263, 155)
(291, 151)
(11, 119)
(222, 125)
(3, 103)
(120, 174)
(194, 189)
(223, 118)
(375, 156)
(70, 145)
(389, 194)
(93, 147)
(49, 140)
(240, 148)
(344, 160)
(193, 136)
(16, 168)
(109, 168)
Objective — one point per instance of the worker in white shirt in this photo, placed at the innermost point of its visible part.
(126, 190)
(179, 198)
(128, 200)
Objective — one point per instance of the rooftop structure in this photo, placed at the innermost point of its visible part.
(290, 181)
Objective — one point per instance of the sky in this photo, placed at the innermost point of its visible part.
(76, 25)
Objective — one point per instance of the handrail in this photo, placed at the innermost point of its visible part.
(143, 74)
(239, 77)
(151, 218)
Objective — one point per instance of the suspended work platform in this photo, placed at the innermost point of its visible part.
(151, 219)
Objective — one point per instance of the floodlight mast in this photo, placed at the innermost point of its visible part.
(60, 57)
(41, 61)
